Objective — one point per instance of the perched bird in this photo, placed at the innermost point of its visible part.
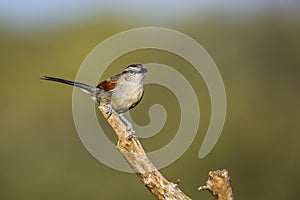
(120, 92)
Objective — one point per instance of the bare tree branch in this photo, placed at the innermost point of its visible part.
(218, 184)
(134, 154)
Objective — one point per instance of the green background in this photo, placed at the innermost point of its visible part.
(42, 157)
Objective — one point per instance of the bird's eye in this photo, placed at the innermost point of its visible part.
(132, 72)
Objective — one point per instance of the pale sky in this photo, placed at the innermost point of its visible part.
(38, 12)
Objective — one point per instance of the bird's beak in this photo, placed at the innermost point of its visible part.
(144, 70)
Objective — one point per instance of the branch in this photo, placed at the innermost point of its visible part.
(160, 187)
(134, 154)
(218, 184)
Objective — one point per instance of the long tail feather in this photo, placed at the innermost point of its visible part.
(84, 87)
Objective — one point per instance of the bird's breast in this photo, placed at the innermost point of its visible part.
(126, 96)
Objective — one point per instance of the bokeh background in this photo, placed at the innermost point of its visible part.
(255, 44)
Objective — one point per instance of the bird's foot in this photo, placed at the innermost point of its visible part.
(130, 133)
(129, 129)
(109, 110)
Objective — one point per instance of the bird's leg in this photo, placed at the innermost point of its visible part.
(129, 126)
(109, 112)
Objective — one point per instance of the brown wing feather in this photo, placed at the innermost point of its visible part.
(107, 85)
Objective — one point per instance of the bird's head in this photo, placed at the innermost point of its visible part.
(135, 72)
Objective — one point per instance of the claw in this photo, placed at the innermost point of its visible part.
(130, 135)
(109, 112)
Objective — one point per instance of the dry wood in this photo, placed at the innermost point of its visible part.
(218, 184)
(134, 154)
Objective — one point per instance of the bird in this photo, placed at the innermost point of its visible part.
(120, 92)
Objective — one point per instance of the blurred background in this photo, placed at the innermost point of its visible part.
(255, 45)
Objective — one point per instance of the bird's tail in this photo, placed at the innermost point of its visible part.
(90, 90)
